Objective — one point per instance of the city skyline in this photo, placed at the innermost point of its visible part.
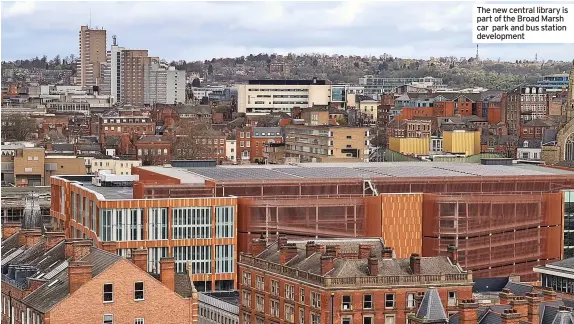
(203, 30)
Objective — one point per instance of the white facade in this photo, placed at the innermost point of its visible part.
(163, 84)
(524, 153)
(230, 150)
(259, 99)
(115, 166)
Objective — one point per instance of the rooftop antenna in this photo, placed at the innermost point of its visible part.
(114, 40)
(477, 52)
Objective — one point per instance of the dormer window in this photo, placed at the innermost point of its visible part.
(525, 144)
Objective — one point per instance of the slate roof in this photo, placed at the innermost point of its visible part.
(63, 147)
(198, 110)
(518, 288)
(489, 284)
(183, 285)
(152, 138)
(529, 143)
(113, 140)
(12, 242)
(89, 147)
(353, 267)
(538, 122)
(50, 294)
(431, 307)
(566, 263)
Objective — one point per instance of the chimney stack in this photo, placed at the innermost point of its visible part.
(258, 245)
(32, 237)
(549, 294)
(373, 265)
(287, 252)
(364, 251)
(415, 264)
(53, 238)
(334, 250)
(533, 307)
(510, 316)
(418, 299)
(520, 304)
(139, 257)
(167, 272)
(387, 252)
(505, 296)
(77, 249)
(10, 228)
(281, 241)
(310, 248)
(453, 253)
(109, 247)
(79, 273)
(327, 264)
(468, 311)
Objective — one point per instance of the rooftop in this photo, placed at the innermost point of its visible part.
(367, 170)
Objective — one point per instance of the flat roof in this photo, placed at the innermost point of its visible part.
(111, 193)
(370, 170)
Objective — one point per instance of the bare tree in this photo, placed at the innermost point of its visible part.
(17, 127)
(194, 140)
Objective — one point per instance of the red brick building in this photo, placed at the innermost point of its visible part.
(350, 281)
(118, 125)
(49, 279)
(536, 128)
(153, 149)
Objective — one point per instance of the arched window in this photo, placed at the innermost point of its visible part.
(569, 148)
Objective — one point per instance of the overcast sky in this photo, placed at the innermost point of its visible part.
(203, 30)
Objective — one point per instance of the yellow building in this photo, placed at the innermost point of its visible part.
(116, 166)
(461, 141)
(369, 108)
(410, 145)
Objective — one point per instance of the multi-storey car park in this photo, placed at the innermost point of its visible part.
(503, 219)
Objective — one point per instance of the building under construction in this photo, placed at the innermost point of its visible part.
(19, 204)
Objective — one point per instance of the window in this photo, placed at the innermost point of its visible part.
(389, 319)
(260, 282)
(224, 222)
(246, 318)
(410, 300)
(275, 287)
(139, 321)
(347, 302)
(108, 319)
(452, 298)
(367, 301)
(290, 292)
(368, 320)
(289, 313)
(349, 137)
(108, 293)
(302, 296)
(389, 300)
(247, 279)
(315, 318)
(259, 303)
(301, 316)
(347, 320)
(224, 258)
(274, 308)
(246, 300)
(139, 290)
(315, 300)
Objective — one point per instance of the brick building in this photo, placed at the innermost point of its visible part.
(348, 281)
(535, 129)
(260, 138)
(49, 279)
(118, 125)
(153, 149)
(415, 128)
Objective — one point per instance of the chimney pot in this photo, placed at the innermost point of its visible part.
(549, 294)
(258, 245)
(310, 248)
(282, 240)
(387, 253)
(77, 249)
(287, 252)
(373, 265)
(453, 253)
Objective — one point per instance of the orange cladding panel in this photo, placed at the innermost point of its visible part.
(402, 223)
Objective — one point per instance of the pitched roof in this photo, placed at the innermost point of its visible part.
(55, 290)
(63, 147)
(518, 288)
(431, 307)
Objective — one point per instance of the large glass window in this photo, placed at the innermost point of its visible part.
(200, 257)
(154, 255)
(121, 225)
(193, 222)
(157, 219)
(224, 219)
(224, 259)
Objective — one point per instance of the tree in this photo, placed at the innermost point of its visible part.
(210, 69)
(191, 140)
(17, 127)
(196, 83)
(204, 100)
